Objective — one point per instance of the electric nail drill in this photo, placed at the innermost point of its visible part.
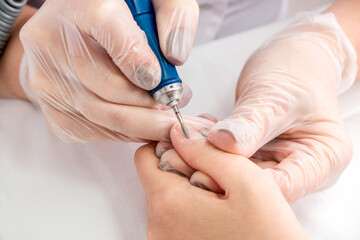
(168, 92)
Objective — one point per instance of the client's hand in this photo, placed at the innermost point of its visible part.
(251, 208)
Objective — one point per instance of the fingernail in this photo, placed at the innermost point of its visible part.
(200, 185)
(208, 116)
(204, 132)
(237, 137)
(225, 140)
(162, 147)
(165, 166)
(177, 173)
(228, 130)
(147, 76)
(193, 132)
(178, 45)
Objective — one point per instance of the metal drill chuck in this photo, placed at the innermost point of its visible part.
(169, 95)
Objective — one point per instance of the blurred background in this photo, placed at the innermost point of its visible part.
(303, 5)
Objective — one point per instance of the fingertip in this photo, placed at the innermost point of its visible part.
(196, 151)
(162, 147)
(208, 117)
(230, 137)
(148, 77)
(143, 151)
(171, 161)
(178, 46)
(152, 178)
(178, 137)
(224, 140)
(177, 23)
(188, 149)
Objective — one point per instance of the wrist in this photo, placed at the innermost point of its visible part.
(347, 13)
(10, 60)
(323, 40)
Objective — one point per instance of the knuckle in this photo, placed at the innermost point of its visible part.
(133, 54)
(26, 32)
(118, 119)
(103, 12)
(32, 29)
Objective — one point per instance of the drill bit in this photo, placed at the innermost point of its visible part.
(179, 117)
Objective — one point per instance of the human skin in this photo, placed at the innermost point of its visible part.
(10, 60)
(88, 67)
(346, 12)
(287, 102)
(252, 206)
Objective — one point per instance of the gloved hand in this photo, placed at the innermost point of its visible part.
(286, 117)
(88, 66)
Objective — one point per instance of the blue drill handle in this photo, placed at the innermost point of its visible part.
(144, 15)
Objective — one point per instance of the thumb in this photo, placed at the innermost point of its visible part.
(229, 171)
(176, 22)
(265, 109)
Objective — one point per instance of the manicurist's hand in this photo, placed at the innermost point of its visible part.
(89, 67)
(286, 117)
(252, 206)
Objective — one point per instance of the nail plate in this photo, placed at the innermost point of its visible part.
(200, 185)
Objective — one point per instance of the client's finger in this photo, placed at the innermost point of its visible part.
(154, 180)
(162, 147)
(171, 161)
(201, 180)
(228, 170)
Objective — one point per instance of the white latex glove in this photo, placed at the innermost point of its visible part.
(286, 116)
(88, 65)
